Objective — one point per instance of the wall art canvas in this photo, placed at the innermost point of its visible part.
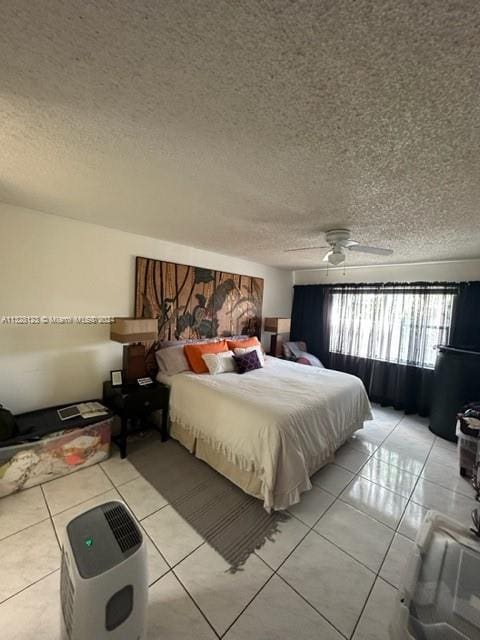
(191, 302)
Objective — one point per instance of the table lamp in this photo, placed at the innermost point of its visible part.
(280, 328)
(132, 332)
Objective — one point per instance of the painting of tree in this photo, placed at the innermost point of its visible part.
(192, 302)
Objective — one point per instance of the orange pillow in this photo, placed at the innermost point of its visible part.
(194, 353)
(243, 344)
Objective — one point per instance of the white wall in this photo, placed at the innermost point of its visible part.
(449, 271)
(56, 266)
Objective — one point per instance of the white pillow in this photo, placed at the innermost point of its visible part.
(172, 360)
(240, 351)
(222, 362)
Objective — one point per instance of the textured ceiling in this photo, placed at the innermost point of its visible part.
(248, 126)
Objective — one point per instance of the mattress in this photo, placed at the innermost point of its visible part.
(281, 423)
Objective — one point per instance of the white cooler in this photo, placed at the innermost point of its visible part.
(440, 598)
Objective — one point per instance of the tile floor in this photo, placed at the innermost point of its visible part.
(331, 572)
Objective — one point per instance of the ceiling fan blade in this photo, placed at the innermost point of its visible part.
(348, 243)
(325, 258)
(374, 250)
(325, 246)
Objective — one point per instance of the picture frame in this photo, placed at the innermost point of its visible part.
(116, 378)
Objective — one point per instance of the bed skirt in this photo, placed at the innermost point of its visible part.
(249, 481)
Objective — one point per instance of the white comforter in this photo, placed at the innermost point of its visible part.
(283, 421)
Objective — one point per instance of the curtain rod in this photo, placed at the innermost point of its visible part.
(393, 285)
(396, 290)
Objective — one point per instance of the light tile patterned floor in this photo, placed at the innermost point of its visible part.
(331, 571)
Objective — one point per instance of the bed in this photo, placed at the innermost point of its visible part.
(268, 430)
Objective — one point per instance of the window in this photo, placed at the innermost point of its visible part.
(401, 325)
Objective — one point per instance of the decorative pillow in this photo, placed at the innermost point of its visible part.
(172, 360)
(194, 353)
(313, 360)
(242, 344)
(247, 362)
(258, 349)
(303, 361)
(219, 362)
(165, 344)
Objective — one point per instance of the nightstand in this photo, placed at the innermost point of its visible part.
(134, 402)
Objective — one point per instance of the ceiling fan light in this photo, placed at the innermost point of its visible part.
(336, 258)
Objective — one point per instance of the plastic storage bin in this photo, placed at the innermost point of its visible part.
(468, 440)
(476, 478)
(440, 597)
(47, 448)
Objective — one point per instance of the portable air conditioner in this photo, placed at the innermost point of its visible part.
(103, 577)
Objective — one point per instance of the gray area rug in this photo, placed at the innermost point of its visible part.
(232, 522)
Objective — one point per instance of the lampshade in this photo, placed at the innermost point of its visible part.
(127, 330)
(336, 257)
(277, 325)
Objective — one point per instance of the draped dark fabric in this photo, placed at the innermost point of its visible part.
(310, 319)
(406, 388)
(465, 332)
(385, 333)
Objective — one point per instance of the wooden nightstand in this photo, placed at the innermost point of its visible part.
(134, 403)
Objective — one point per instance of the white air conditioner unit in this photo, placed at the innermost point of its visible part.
(103, 577)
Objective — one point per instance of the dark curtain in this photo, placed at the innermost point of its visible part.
(465, 332)
(310, 319)
(405, 386)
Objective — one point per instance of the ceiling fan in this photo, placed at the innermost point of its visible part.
(339, 240)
